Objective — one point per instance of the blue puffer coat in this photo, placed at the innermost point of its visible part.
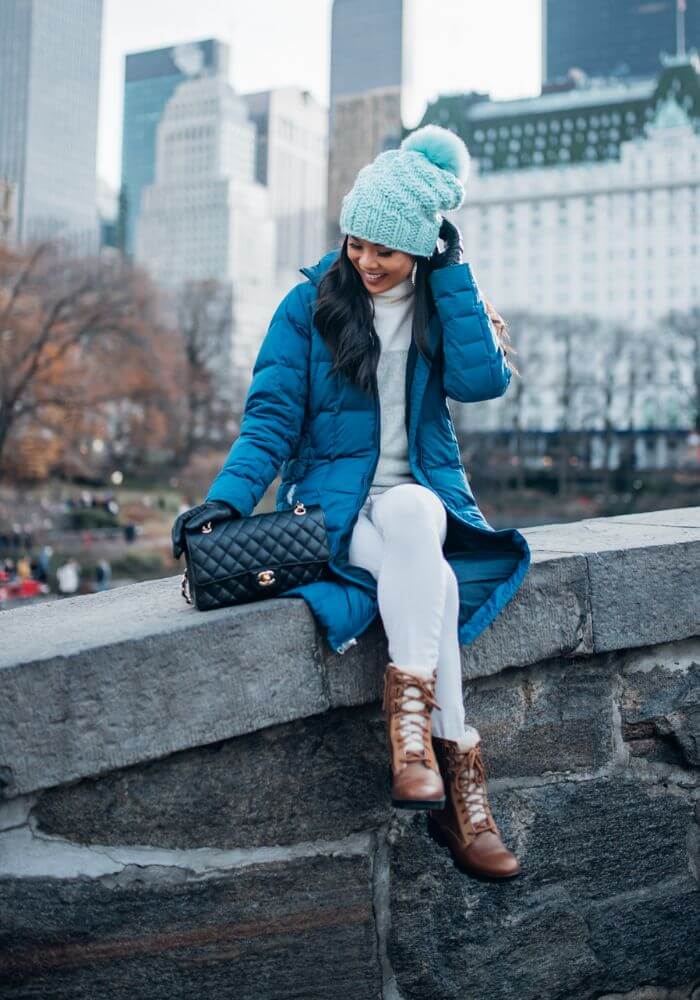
(321, 434)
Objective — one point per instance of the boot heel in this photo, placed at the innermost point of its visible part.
(435, 831)
(417, 804)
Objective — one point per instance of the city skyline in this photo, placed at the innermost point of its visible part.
(130, 28)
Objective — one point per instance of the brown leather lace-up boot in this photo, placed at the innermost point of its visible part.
(466, 825)
(416, 779)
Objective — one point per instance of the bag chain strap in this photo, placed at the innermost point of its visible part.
(184, 587)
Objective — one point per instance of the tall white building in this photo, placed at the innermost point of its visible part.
(150, 80)
(205, 215)
(585, 202)
(617, 238)
(49, 94)
(292, 162)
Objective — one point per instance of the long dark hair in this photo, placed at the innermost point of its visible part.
(344, 317)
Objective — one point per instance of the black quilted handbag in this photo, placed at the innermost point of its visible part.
(248, 558)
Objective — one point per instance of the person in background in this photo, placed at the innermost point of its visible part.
(44, 563)
(103, 575)
(68, 576)
(24, 567)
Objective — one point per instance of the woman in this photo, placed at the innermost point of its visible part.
(348, 400)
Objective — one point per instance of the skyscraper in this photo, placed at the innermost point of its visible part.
(49, 87)
(150, 80)
(204, 216)
(371, 46)
(366, 46)
(292, 161)
(614, 37)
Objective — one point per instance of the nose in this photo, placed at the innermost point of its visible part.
(368, 262)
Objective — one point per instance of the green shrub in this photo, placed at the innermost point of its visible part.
(92, 517)
(138, 565)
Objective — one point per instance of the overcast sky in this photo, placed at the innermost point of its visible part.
(488, 45)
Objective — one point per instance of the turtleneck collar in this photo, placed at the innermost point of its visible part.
(399, 293)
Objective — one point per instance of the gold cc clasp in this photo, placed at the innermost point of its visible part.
(266, 577)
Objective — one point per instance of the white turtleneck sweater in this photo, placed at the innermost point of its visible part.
(393, 318)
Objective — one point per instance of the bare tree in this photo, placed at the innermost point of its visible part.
(607, 382)
(684, 331)
(203, 336)
(533, 346)
(576, 335)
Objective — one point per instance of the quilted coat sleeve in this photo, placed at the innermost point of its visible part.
(274, 409)
(475, 364)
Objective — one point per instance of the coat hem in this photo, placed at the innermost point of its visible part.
(481, 619)
(501, 596)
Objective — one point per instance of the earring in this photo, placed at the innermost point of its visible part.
(414, 271)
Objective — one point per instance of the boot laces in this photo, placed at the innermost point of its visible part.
(414, 698)
(471, 784)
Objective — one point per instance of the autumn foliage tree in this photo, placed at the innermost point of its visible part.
(81, 344)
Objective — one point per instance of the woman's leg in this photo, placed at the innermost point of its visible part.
(398, 537)
(449, 724)
(411, 585)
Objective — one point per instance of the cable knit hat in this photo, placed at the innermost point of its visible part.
(399, 198)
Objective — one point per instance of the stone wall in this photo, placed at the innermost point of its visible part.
(197, 804)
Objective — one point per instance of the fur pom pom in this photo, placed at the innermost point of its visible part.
(443, 148)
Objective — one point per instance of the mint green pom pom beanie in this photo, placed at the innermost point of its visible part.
(399, 198)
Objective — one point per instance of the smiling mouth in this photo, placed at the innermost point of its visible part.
(374, 278)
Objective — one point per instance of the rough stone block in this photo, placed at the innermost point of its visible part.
(660, 703)
(357, 676)
(549, 616)
(267, 932)
(135, 693)
(626, 615)
(586, 848)
(624, 556)
(689, 991)
(317, 778)
(676, 517)
(648, 938)
(553, 718)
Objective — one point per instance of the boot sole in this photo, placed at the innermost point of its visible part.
(417, 803)
(413, 803)
(435, 831)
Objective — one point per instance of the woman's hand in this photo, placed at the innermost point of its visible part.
(454, 247)
(196, 517)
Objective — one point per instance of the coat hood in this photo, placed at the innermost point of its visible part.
(314, 272)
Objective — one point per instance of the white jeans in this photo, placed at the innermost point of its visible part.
(398, 537)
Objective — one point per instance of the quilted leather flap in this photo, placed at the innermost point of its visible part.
(262, 541)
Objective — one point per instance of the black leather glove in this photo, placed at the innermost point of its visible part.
(197, 517)
(454, 247)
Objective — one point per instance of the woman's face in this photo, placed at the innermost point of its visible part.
(379, 267)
